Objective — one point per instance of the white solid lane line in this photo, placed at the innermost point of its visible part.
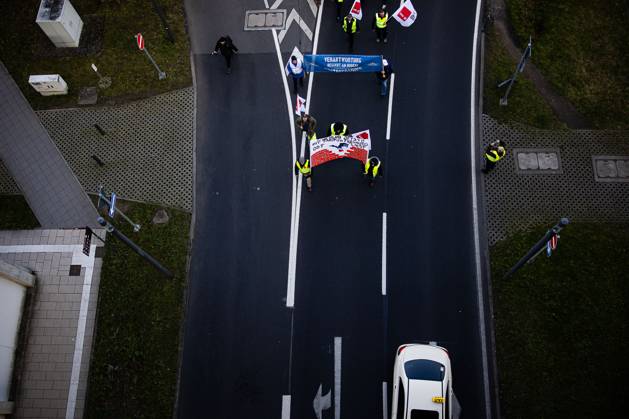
(384, 253)
(385, 404)
(289, 107)
(338, 342)
(286, 407)
(479, 279)
(389, 113)
(294, 233)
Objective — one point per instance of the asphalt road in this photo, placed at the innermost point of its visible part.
(243, 348)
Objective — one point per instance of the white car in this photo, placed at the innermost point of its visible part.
(422, 383)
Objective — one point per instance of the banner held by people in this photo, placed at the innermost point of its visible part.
(406, 14)
(357, 10)
(337, 63)
(355, 146)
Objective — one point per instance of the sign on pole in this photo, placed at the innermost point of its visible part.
(140, 39)
(112, 205)
(87, 241)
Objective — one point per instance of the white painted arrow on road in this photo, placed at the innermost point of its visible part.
(321, 403)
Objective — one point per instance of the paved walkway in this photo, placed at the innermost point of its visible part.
(29, 154)
(146, 148)
(60, 323)
(546, 175)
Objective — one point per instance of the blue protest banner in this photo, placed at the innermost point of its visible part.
(342, 63)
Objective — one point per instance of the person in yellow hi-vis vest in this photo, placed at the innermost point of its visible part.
(379, 24)
(372, 169)
(306, 171)
(493, 153)
(350, 27)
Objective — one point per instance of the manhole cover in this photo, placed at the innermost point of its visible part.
(259, 20)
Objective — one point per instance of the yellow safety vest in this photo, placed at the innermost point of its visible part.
(313, 136)
(305, 169)
(374, 171)
(353, 30)
(494, 155)
(343, 131)
(381, 23)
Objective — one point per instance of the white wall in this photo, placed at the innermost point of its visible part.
(11, 301)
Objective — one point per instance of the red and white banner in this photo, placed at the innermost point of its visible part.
(406, 14)
(300, 106)
(357, 10)
(355, 146)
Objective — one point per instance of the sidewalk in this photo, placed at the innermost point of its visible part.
(582, 175)
(55, 359)
(146, 148)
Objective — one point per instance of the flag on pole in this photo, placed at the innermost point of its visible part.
(357, 10)
(300, 106)
(406, 14)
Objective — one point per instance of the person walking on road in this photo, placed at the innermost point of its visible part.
(296, 70)
(350, 27)
(379, 24)
(306, 123)
(338, 128)
(383, 76)
(372, 169)
(339, 7)
(305, 169)
(226, 47)
(493, 153)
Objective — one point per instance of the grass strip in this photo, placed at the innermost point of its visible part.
(23, 48)
(561, 324)
(526, 105)
(133, 369)
(582, 48)
(15, 214)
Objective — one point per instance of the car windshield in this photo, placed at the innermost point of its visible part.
(424, 414)
(424, 369)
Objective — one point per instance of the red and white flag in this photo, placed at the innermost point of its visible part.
(300, 106)
(406, 14)
(357, 10)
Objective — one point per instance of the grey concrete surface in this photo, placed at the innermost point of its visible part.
(31, 157)
(59, 300)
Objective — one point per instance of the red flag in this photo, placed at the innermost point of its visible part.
(406, 14)
(357, 10)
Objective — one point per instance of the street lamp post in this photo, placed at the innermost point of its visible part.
(538, 247)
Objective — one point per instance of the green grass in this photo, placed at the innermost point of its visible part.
(526, 105)
(15, 213)
(561, 324)
(132, 74)
(133, 371)
(582, 47)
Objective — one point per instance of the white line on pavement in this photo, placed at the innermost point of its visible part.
(385, 407)
(479, 279)
(276, 4)
(338, 342)
(290, 293)
(390, 106)
(384, 253)
(286, 406)
(296, 210)
(266, 3)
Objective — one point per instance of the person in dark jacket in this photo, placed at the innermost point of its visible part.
(226, 47)
(383, 76)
